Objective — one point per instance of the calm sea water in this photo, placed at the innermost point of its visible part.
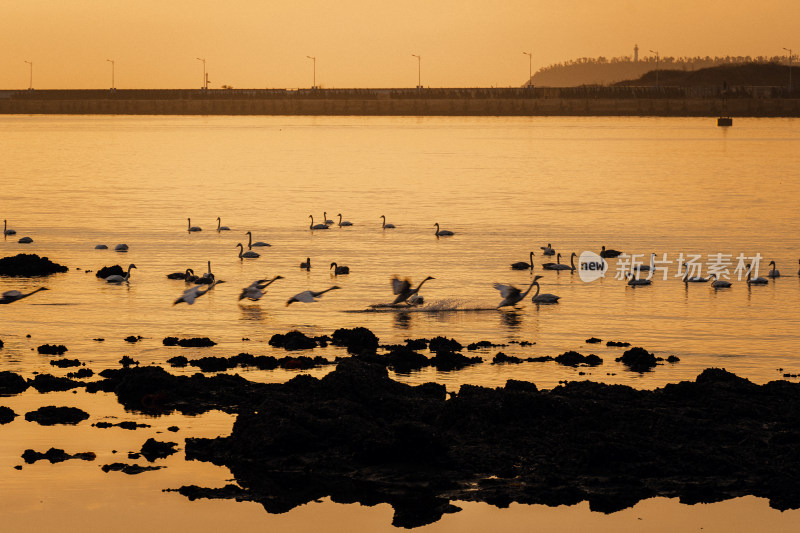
(505, 186)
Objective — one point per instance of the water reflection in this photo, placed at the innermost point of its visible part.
(402, 320)
(252, 313)
(511, 318)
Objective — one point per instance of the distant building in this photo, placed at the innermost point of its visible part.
(635, 53)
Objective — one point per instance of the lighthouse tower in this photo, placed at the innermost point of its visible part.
(635, 53)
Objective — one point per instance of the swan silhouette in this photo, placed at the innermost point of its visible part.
(522, 265)
(385, 225)
(14, 295)
(220, 227)
(248, 254)
(308, 296)
(316, 226)
(116, 278)
(193, 228)
(339, 269)
(512, 295)
(442, 232)
(403, 289)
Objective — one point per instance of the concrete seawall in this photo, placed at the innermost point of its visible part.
(690, 107)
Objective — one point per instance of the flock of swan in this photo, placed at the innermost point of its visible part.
(405, 293)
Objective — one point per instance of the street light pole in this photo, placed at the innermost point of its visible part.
(790, 68)
(657, 59)
(30, 83)
(314, 59)
(530, 66)
(205, 77)
(419, 71)
(112, 72)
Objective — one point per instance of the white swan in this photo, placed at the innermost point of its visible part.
(325, 218)
(12, 296)
(250, 242)
(339, 269)
(308, 296)
(255, 290)
(248, 254)
(442, 232)
(403, 289)
(220, 227)
(512, 295)
(719, 283)
(343, 223)
(558, 266)
(634, 282)
(522, 265)
(316, 226)
(548, 250)
(773, 273)
(193, 228)
(116, 278)
(755, 281)
(385, 225)
(544, 298)
(193, 293)
(6, 230)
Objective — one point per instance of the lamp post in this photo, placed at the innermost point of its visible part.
(205, 77)
(314, 60)
(112, 73)
(790, 68)
(657, 59)
(419, 71)
(530, 66)
(30, 83)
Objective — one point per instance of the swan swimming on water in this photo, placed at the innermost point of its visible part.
(308, 296)
(339, 269)
(635, 282)
(325, 218)
(343, 223)
(306, 265)
(6, 230)
(25, 240)
(696, 279)
(14, 295)
(121, 248)
(207, 278)
(544, 298)
(648, 268)
(609, 253)
(403, 289)
(220, 227)
(755, 281)
(385, 225)
(316, 226)
(193, 228)
(249, 254)
(718, 283)
(116, 278)
(522, 265)
(548, 250)
(512, 295)
(442, 232)
(773, 273)
(250, 242)
(558, 266)
(181, 275)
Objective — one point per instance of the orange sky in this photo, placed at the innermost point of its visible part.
(361, 43)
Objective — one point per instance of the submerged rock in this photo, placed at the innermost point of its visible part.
(7, 414)
(29, 265)
(638, 359)
(356, 340)
(573, 358)
(65, 363)
(131, 470)
(51, 415)
(443, 344)
(51, 349)
(55, 455)
(294, 340)
(153, 449)
(47, 383)
(11, 383)
(114, 270)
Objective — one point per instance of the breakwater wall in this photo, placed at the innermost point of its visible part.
(409, 103)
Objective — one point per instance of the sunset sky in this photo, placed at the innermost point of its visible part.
(362, 43)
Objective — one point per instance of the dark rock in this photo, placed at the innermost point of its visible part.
(593, 340)
(483, 344)
(47, 383)
(178, 361)
(82, 373)
(29, 265)
(7, 414)
(196, 342)
(129, 425)
(65, 363)
(173, 429)
(98, 340)
(153, 449)
(11, 383)
(51, 349)
(416, 344)
(55, 455)
(574, 359)
(618, 344)
(128, 469)
(170, 341)
(502, 358)
(114, 270)
(357, 340)
(443, 344)
(133, 338)
(673, 359)
(51, 415)
(447, 361)
(638, 359)
(1, 343)
(403, 360)
(127, 361)
(294, 340)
